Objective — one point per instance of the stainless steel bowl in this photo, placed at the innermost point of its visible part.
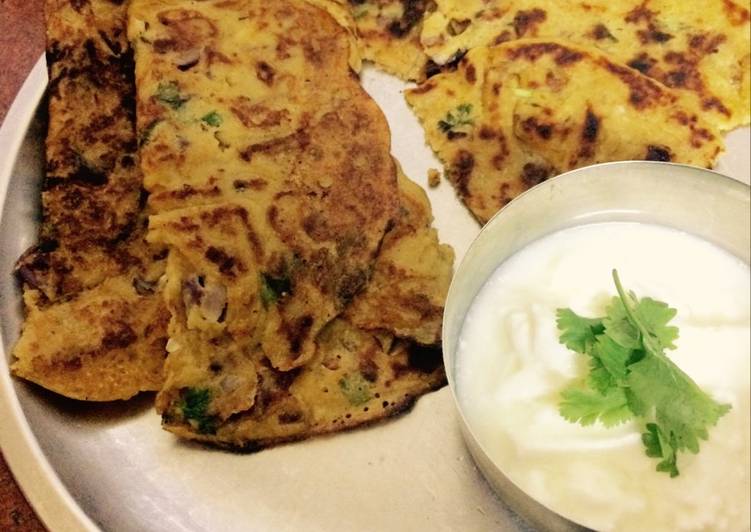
(704, 203)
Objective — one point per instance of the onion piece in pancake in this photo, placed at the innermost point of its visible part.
(513, 115)
(700, 47)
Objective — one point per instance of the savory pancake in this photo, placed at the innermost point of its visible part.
(92, 188)
(513, 115)
(95, 324)
(219, 81)
(407, 292)
(106, 344)
(703, 48)
(356, 378)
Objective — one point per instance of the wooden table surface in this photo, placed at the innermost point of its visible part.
(21, 43)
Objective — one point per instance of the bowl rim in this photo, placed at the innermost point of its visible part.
(706, 175)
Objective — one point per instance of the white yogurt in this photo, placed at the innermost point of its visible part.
(511, 370)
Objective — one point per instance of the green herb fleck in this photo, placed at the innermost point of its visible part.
(630, 376)
(356, 389)
(194, 407)
(145, 135)
(273, 288)
(169, 94)
(456, 119)
(213, 119)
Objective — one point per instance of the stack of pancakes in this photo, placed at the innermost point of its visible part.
(297, 268)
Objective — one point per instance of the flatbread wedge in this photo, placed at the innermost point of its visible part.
(700, 47)
(516, 114)
(95, 324)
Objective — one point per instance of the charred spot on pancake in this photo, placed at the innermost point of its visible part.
(658, 153)
(600, 31)
(265, 73)
(413, 11)
(591, 127)
(461, 170)
(535, 173)
(642, 63)
(297, 332)
(227, 264)
(425, 359)
(532, 125)
(470, 73)
(121, 336)
(736, 15)
(527, 21)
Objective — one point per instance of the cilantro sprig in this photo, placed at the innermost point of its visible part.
(630, 376)
(459, 118)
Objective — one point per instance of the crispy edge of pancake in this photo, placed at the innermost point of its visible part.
(104, 345)
(413, 271)
(285, 398)
(486, 143)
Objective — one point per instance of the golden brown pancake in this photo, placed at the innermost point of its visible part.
(95, 323)
(273, 187)
(105, 344)
(700, 47)
(355, 379)
(513, 115)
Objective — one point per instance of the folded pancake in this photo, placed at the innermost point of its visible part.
(91, 192)
(701, 47)
(221, 390)
(256, 131)
(407, 291)
(355, 379)
(95, 325)
(513, 115)
(272, 186)
(105, 344)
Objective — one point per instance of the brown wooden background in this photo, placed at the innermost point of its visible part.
(21, 43)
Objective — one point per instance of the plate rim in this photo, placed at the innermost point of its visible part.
(35, 476)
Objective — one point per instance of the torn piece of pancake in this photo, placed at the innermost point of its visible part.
(257, 131)
(274, 217)
(356, 378)
(701, 47)
(92, 189)
(513, 115)
(95, 324)
(107, 343)
(221, 390)
(389, 34)
(406, 294)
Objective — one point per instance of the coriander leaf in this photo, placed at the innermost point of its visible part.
(577, 333)
(194, 407)
(356, 389)
(456, 119)
(586, 407)
(658, 446)
(599, 378)
(169, 94)
(213, 119)
(273, 288)
(655, 315)
(614, 357)
(619, 327)
(679, 406)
